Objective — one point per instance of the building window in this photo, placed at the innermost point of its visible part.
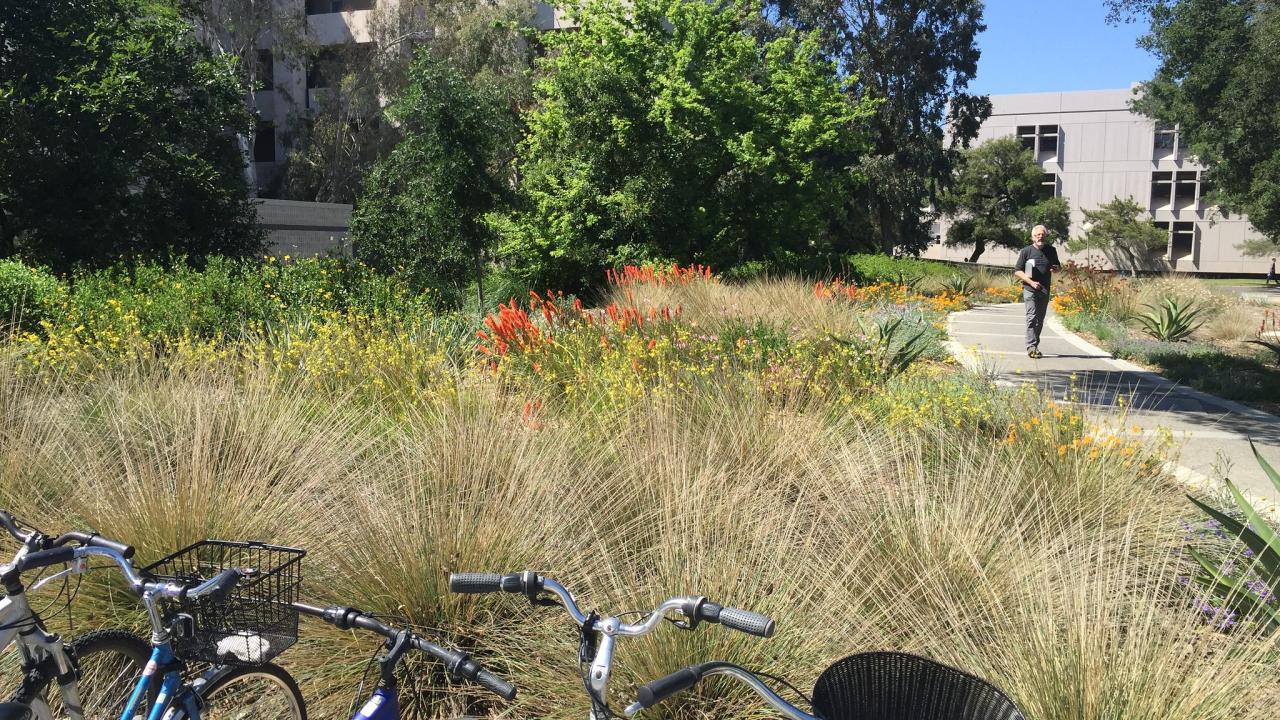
(266, 70)
(1039, 139)
(1048, 186)
(1166, 141)
(264, 143)
(1161, 189)
(321, 7)
(1186, 189)
(1182, 240)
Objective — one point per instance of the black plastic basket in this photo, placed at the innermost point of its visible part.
(898, 686)
(249, 625)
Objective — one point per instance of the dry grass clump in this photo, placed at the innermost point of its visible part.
(1184, 289)
(1057, 580)
(1236, 323)
(788, 303)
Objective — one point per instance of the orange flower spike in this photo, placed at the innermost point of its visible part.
(652, 344)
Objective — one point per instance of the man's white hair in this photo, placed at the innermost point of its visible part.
(1041, 228)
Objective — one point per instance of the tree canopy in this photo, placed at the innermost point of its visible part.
(1218, 80)
(663, 131)
(998, 196)
(916, 59)
(118, 137)
(427, 207)
(1118, 230)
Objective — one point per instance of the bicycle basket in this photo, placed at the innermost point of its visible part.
(898, 686)
(252, 623)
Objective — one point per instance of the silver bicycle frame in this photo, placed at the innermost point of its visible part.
(35, 646)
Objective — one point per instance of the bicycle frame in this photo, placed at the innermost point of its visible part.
(164, 668)
(37, 647)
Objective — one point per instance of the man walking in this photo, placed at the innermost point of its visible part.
(1034, 268)
(1271, 275)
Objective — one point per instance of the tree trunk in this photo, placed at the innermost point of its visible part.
(979, 247)
(480, 285)
(886, 228)
(8, 246)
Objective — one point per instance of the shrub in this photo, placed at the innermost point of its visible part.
(869, 269)
(27, 295)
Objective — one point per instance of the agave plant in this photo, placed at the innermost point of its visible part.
(958, 284)
(890, 344)
(911, 282)
(1251, 587)
(1172, 320)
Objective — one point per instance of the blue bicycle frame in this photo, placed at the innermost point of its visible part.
(171, 687)
(384, 705)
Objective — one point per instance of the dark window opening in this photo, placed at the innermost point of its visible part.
(1161, 188)
(266, 70)
(1048, 186)
(322, 7)
(1183, 240)
(264, 143)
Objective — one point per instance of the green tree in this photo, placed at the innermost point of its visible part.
(663, 131)
(1118, 230)
(427, 207)
(335, 145)
(997, 197)
(116, 139)
(916, 58)
(1218, 79)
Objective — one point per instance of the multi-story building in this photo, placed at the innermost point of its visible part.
(1093, 149)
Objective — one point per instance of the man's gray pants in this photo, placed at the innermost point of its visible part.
(1037, 305)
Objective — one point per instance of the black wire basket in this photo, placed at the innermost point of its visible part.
(899, 686)
(249, 625)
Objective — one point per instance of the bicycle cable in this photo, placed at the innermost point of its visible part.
(783, 681)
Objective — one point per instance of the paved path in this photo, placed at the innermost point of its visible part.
(1212, 431)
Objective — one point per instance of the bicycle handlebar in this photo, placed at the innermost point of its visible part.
(456, 662)
(696, 609)
(8, 522)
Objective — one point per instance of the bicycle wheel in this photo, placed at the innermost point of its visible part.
(111, 662)
(265, 692)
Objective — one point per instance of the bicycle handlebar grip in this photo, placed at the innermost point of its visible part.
(475, 583)
(8, 523)
(654, 692)
(45, 558)
(752, 623)
(96, 540)
(496, 685)
(223, 582)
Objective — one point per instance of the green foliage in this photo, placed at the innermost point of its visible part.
(115, 141)
(27, 295)
(1268, 335)
(996, 199)
(1218, 77)
(663, 131)
(1250, 583)
(869, 269)
(916, 57)
(1173, 320)
(226, 298)
(426, 207)
(1116, 228)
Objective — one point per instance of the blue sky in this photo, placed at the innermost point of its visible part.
(1053, 45)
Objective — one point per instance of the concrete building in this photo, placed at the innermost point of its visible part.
(1094, 149)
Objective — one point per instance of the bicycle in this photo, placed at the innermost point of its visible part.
(229, 630)
(44, 659)
(384, 703)
(863, 686)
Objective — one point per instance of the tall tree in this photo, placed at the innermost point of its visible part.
(664, 132)
(1119, 230)
(916, 58)
(337, 143)
(998, 197)
(1218, 80)
(117, 137)
(428, 207)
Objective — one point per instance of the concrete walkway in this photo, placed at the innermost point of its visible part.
(1212, 432)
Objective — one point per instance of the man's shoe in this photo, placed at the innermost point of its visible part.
(1034, 353)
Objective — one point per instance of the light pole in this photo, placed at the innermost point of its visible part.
(1087, 226)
